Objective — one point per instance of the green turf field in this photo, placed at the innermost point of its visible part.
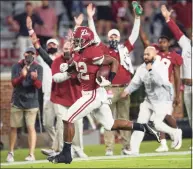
(169, 161)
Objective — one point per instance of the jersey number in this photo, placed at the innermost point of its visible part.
(82, 68)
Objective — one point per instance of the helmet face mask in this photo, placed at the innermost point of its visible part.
(82, 37)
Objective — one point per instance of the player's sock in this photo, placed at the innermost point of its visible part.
(136, 139)
(66, 147)
(163, 142)
(164, 128)
(138, 127)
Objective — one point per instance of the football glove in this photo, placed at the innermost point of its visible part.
(103, 82)
(63, 67)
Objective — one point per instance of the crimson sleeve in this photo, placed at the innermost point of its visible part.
(128, 45)
(37, 83)
(174, 29)
(16, 81)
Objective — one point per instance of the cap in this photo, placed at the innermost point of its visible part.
(52, 41)
(113, 31)
(30, 49)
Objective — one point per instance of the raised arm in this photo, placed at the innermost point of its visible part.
(45, 56)
(90, 12)
(135, 31)
(181, 38)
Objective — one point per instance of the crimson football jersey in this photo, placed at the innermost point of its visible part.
(85, 65)
(171, 59)
(67, 92)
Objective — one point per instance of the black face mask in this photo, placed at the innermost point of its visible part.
(67, 55)
(113, 44)
(52, 50)
(29, 59)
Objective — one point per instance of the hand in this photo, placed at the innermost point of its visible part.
(63, 67)
(78, 20)
(101, 81)
(124, 94)
(149, 66)
(166, 14)
(176, 101)
(10, 20)
(24, 71)
(34, 75)
(90, 10)
(29, 23)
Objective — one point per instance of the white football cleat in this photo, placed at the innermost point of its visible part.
(128, 152)
(177, 143)
(109, 153)
(48, 152)
(162, 148)
(10, 157)
(30, 157)
(80, 154)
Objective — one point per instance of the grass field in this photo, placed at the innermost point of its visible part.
(148, 160)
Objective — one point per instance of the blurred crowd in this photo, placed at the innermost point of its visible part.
(55, 17)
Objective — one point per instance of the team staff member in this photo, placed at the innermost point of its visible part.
(63, 94)
(26, 80)
(48, 106)
(120, 106)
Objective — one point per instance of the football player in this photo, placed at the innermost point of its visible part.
(88, 57)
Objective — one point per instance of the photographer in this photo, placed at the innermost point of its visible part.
(26, 80)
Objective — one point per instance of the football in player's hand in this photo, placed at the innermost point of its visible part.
(104, 71)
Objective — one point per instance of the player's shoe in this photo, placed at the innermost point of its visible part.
(129, 152)
(149, 129)
(109, 153)
(48, 152)
(80, 154)
(190, 148)
(162, 148)
(10, 157)
(30, 157)
(63, 157)
(177, 143)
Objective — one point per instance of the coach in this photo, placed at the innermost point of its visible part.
(26, 80)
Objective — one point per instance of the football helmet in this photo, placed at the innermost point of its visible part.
(82, 37)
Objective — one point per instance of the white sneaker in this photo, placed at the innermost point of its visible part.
(48, 152)
(190, 148)
(177, 143)
(109, 153)
(10, 157)
(128, 152)
(81, 154)
(162, 148)
(30, 158)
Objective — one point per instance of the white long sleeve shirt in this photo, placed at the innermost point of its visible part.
(157, 86)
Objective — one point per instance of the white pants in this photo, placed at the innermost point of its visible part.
(77, 143)
(188, 102)
(92, 101)
(48, 119)
(23, 42)
(160, 110)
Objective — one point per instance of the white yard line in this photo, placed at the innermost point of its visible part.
(105, 158)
